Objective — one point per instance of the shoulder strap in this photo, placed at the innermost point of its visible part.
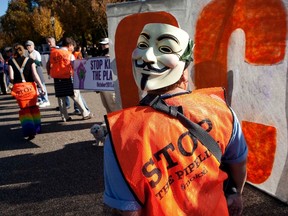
(22, 67)
(158, 104)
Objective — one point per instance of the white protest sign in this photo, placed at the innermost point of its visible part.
(93, 74)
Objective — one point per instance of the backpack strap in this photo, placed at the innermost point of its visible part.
(22, 67)
(196, 130)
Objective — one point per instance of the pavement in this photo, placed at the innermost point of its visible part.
(60, 171)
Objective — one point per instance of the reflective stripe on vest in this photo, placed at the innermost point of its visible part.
(60, 64)
(167, 169)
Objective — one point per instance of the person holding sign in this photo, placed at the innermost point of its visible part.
(154, 164)
(107, 97)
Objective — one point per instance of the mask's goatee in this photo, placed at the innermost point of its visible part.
(144, 81)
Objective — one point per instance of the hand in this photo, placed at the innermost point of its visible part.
(10, 86)
(235, 204)
(42, 91)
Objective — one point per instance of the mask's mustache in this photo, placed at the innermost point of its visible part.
(150, 67)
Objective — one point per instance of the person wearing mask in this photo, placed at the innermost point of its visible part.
(154, 165)
(43, 100)
(61, 69)
(23, 75)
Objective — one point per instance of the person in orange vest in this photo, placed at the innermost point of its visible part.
(152, 164)
(77, 52)
(52, 45)
(61, 69)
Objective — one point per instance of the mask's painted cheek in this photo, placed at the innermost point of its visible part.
(169, 60)
(135, 54)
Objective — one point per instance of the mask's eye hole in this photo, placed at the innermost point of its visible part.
(142, 45)
(165, 49)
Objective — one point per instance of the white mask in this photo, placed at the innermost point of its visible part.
(158, 60)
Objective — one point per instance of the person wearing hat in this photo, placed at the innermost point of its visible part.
(43, 100)
(104, 47)
(107, 97)
(153, 164)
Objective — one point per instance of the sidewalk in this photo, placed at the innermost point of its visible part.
(60, 172)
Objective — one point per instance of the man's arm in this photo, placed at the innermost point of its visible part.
(117, 194)
(238, 174)
(37, 59)
(234, 201)
(235, 159)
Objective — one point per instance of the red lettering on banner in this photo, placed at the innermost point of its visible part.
(265, 27)
(264, 24)
(261, 140)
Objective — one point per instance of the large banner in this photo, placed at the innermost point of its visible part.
(240, 45)
(93, 74)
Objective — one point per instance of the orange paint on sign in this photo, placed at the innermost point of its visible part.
(265, 27)
(261, 141)
(126, 37)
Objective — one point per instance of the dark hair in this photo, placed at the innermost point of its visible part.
(68, 41)
(19, 50)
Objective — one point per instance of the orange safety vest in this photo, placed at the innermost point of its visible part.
(77, 55)
(168, 171)
(60, 64)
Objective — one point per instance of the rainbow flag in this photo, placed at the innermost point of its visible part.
(30, 120)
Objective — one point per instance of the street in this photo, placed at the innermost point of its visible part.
(60, 172)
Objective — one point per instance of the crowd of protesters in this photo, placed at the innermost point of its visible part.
(33, 73)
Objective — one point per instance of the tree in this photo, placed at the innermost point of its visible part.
(46, 25)
(84, 20)
(16, 22)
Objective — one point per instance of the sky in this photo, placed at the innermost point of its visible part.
(3, 6)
